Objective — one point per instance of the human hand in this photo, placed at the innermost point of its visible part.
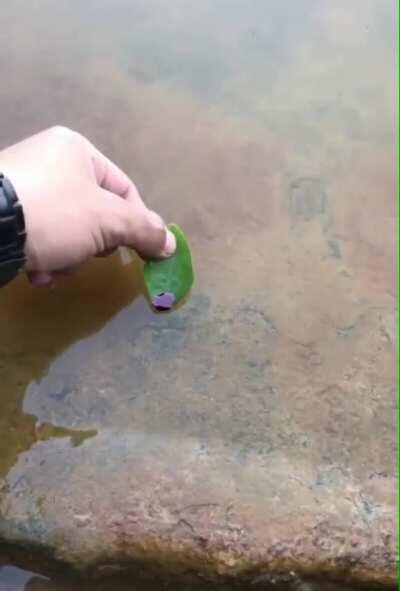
(77, 204)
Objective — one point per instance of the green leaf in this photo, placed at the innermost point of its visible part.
(169, 281)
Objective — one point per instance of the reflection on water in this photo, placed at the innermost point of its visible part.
(13, 579)
(275, 118)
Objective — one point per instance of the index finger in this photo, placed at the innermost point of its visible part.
(111, 178)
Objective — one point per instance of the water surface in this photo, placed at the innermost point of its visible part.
(266, 130)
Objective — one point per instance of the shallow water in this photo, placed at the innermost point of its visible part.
(12, 579)
(266, 130)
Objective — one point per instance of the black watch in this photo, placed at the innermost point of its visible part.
(12, 232)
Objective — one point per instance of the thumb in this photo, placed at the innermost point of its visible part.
(132, 224)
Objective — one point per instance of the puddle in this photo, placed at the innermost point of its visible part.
(13, 579)
(44, 324)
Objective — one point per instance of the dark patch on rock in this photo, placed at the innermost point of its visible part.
(307, 198)
(254, 315)
(334, 248)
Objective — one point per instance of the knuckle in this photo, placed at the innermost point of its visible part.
(60, 131)
(153, 222)
(65, 135)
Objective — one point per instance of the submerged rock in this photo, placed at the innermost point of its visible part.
(237, 478)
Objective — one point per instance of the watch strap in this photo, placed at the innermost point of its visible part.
(12, 232)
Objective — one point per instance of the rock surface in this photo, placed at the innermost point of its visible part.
(248, 436)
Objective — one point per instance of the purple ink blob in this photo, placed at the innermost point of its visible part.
(163, 301)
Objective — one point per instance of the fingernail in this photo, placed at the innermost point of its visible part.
(170, 245)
